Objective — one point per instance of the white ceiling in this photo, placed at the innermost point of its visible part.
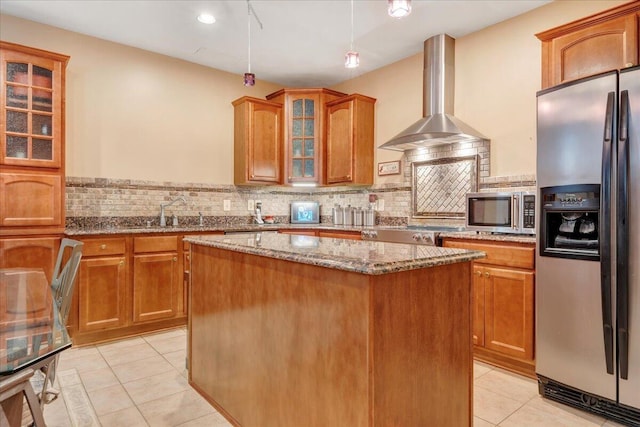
(302, 42)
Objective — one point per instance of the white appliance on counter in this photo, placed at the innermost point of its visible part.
(588, 260)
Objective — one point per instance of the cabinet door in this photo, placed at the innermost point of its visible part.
(31, 109)
(102, 293)
(509, 311)
(37, 252)
(340, 142)
(31, 199)
(303, 140)
(257, 142)
(478, 306)
(603, 42)
(156, 286)
(349, 140)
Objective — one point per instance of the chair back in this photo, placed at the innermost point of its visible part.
(64, 276)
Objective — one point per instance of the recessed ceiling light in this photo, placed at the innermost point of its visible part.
(206, 18)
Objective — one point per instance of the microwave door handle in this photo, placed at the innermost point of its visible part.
(515, 212)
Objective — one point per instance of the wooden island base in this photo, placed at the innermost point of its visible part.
(284, 344)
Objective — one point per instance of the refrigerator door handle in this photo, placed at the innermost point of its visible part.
(605, 238)
(622, 238)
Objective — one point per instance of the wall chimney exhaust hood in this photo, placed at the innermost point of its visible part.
(438, 125)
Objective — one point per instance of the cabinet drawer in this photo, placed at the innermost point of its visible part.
(101, 247)
(498, 254)
(155, 244)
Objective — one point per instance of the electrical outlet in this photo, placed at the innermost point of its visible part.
(226, 205)
(250, 205)
(380, 204)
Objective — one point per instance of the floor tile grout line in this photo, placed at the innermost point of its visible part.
(135, 405)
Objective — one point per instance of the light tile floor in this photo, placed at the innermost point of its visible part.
(142, 381)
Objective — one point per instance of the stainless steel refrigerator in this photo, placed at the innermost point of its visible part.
(588, 255)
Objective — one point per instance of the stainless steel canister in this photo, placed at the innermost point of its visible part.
(347, 216)
(369, 217)
(357, 216)
(338, 215)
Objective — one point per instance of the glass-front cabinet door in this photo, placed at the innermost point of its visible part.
(31, 110)
(303, 149)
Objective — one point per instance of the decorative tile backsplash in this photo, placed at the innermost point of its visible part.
(440, 186)
(91, 201)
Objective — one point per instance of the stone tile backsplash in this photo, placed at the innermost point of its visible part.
(133, 202)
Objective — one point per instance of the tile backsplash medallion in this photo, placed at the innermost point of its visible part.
(104, 202)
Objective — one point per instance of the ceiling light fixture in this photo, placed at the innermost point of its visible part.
(399, 8)
(352, 58)
(249, 77)
(206, 18)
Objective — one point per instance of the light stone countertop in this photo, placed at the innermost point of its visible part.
(500, 237)
(366, 257)
(220, 228)
(515, 238)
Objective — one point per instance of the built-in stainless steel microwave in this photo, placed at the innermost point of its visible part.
(509, 212)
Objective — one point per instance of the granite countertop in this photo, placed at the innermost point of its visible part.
(500, 237)
(214, 228)
(366, 257)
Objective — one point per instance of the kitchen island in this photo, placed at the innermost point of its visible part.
(288, 330)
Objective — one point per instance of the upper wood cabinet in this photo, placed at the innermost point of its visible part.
(32, 106)
(287, 140)
(349, 140)
(304, 127)
(32, 85)
(605, 41)
(257, 142)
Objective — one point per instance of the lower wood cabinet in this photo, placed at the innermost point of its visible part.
(127, 285)
(157, 288)
(503, 303)
(102, 293)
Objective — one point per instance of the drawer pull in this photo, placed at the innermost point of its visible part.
(103, 246)
(486, 274)
(175, 258)
(121, 264)
(478, 273)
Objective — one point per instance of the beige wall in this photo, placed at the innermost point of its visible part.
(133, 114)
(497, 76)
(138, 115)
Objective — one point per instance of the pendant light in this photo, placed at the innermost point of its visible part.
(399, 8)
(249, 77)
(352, 58)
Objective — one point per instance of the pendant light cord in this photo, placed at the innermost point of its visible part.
(249, 35)
(250, 11)
(351, 47)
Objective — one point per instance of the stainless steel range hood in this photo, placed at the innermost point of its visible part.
(438, 125)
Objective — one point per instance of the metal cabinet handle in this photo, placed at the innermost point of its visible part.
(486, 274)
(103, 246)
(478, 273)
(175, 258)
(121, 264)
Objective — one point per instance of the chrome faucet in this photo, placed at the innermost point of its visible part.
(163, 220)
(259, 219)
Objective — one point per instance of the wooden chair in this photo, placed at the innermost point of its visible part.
(62, 284)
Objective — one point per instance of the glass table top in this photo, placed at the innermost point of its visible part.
(30, 327)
